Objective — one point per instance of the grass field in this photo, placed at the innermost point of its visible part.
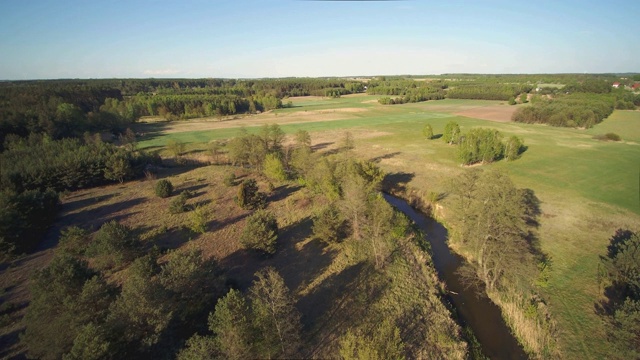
(588, 188)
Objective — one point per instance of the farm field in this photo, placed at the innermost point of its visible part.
(588, 188)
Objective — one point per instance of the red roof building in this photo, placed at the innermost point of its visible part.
(616, 84)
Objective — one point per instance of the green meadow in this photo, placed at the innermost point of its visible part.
(588, 188)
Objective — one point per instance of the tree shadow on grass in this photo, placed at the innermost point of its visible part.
(396, 182)
(377, 159)
(295, 263)
(436, 136)
(8, 341)
(82, 203)
(617, 291)
(343, 300)
(321, 146)
(283, 192)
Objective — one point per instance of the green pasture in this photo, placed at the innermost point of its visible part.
(588, 188)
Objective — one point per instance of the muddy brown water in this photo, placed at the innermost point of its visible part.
(473, 307)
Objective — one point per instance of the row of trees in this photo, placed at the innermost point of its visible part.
(487, 91)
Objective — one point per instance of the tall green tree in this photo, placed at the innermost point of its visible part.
(491, 224)
(231, 324)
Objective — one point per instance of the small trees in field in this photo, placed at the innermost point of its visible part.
(427, 131)
(451, 133)
(513, 148)
(486, 146)
(480, 145)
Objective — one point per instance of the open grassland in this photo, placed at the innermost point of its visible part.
(588, 188)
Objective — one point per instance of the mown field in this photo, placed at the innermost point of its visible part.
(588, 188)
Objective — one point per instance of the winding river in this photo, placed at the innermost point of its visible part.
(477, 311)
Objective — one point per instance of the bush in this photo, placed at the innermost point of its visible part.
(164, 188)
(113, 245)
(74, 240)
(249, 197)
(179, 204)
(229, 180)
(328, 225)
(261, 232)
(198, 220)
(427, 131)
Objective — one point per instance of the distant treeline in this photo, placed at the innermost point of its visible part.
(488, 91)
(68, 108)
(407, 91)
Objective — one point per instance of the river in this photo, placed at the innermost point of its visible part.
(477, 311)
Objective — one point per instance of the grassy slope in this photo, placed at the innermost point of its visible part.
(588, 188)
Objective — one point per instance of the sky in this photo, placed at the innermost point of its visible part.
(286, 38)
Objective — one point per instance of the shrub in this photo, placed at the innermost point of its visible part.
(273, 168)
(261, 232)
(608, 137)
(73, 240)
(198, 220)
(328, 225)
(113, 245)
(248, 195)
(179, 204)
(229, 180)
(427, 131)
(164, 188)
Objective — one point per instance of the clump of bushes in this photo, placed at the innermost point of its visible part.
(608, 137)
(164, 188)
(261, 232)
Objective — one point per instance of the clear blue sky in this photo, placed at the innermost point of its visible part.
(215, 38)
